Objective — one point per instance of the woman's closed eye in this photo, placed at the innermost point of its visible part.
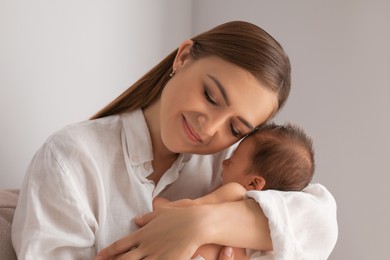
(235, 132)
(208, 97)
(233, 129)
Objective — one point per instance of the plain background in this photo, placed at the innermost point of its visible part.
(61, 61)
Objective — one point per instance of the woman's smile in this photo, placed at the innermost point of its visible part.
(190, 132)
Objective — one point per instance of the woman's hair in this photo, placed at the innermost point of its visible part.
(283, 155)
(241, 43)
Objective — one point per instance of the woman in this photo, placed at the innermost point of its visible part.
(167, 135)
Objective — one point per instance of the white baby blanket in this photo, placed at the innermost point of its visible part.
(303, 224)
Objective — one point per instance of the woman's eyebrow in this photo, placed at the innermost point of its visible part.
(246, 123)
(221, 88)
(227, 100)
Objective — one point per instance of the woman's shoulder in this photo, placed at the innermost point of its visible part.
(87, 127)
(86, 133)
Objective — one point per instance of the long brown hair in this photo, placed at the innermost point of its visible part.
(238, 42)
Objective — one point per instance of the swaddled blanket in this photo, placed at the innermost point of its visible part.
(296, 232)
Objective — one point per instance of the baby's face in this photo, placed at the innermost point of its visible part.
(235, 169)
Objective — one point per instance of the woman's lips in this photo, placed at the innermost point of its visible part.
(192, 135)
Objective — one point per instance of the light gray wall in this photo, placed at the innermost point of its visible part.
(62, 61)
(340, 55)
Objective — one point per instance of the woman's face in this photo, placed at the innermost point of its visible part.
(209, 104)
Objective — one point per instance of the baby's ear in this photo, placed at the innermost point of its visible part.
(257, 183)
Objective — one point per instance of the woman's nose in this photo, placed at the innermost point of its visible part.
(212, 124)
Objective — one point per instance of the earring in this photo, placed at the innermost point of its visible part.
(173, 72)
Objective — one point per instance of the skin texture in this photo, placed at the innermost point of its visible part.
(194, 116)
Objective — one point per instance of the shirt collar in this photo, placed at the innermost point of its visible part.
(136, 133)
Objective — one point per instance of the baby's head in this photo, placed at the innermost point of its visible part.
(279, 157)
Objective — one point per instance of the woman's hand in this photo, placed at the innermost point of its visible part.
(176, 233)
(167, 233)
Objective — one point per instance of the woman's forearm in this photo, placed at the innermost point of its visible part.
(237, 224)
(176, 233)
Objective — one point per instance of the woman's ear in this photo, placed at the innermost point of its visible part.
(182, 55)
(257, 182)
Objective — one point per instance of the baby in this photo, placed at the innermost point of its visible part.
(279, 157)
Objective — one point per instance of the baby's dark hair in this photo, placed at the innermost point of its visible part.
(283, 155)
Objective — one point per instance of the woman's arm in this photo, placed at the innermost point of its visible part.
(239, 224)
(176, 233)
(50, 220)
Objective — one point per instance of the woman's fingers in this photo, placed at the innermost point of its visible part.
(167, 233)
(145, 219)
(117, 248)
(227, 253)
(133, 254)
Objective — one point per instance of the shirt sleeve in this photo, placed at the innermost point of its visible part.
(303, 224)
(51, 221)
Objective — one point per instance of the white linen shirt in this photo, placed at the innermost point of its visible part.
(89, 180)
